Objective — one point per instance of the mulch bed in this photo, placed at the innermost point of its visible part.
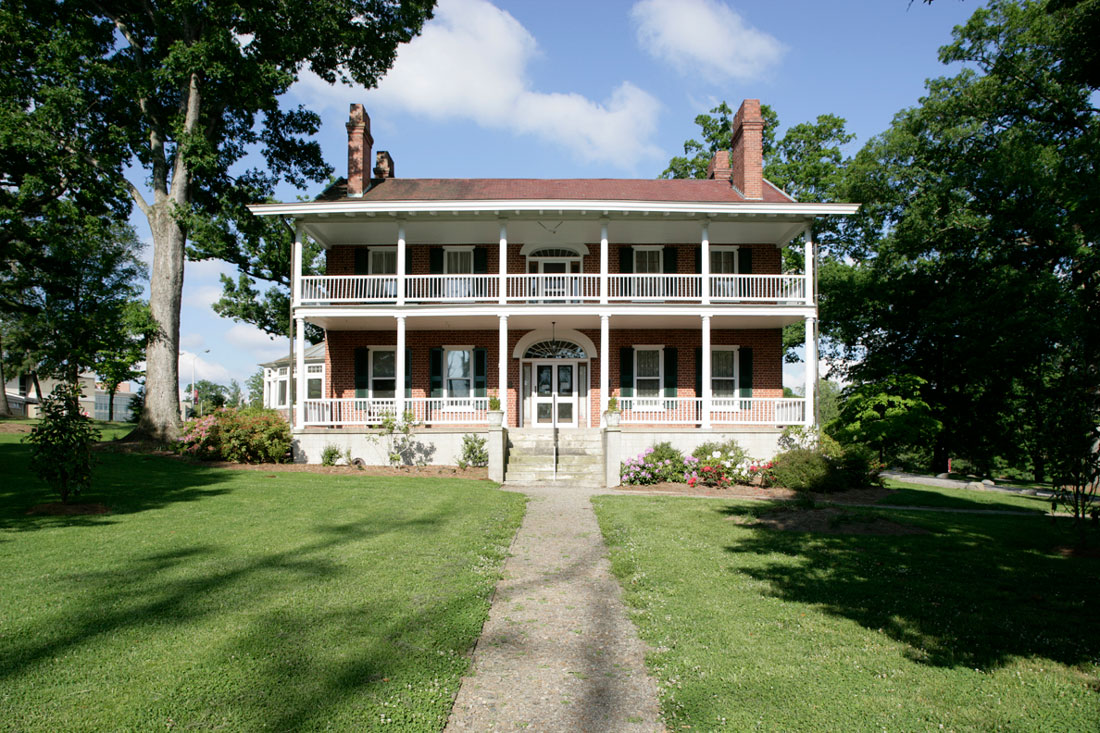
(423, 471)
(740, 491)
(15, 427)
(58, 509)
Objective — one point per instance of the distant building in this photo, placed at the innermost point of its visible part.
(277, 375)
(24, 400)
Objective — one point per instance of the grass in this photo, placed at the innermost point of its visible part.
(976, 626)
(108, 431)
(934, 496)
(242, 600)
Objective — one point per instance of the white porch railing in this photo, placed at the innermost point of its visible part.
(451, 288)
(743, 288)
(323, 289)
(367, 411)
(564, 288)
(724, 411)
(654, 287)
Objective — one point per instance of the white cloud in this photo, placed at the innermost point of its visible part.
(192, 340)
(203, 369)
(705, 37)
(202, 296)
(470, 62)
(256, 342)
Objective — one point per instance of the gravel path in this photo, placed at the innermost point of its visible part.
(558, 652)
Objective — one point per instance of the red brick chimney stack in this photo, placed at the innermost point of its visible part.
(719, 168)
(747, 162)
(360, 143)
(383, 166)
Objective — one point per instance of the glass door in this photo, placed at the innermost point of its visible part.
(554, 395)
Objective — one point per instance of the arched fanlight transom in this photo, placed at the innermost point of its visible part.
(555, 349)
(556, 252)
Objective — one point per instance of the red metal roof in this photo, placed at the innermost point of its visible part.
(568, 189)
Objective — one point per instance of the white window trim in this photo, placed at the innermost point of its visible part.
(321, 374)
(736, 259)
(446, 381)
(651, 404)
(370, 370)
(726, 401)
(446, 259)
(370, 259)
(660, 259)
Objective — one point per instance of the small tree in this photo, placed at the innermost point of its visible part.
(885, 415)
(61, 444)
(255, 387)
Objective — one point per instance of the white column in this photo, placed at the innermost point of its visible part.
(300, 374)
(603, 262)
(503, 269)
(401, 255)
(811, 372)
(502, 368)
(399, 369)
(706, 356)
(296, 266)
(704, 260)
(808, 257)
(605, 363)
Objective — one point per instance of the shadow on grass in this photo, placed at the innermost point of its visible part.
(976, 593)
(297, 658)
(125, 483)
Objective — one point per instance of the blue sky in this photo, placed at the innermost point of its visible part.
(607, 89)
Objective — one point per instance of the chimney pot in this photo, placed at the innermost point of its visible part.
(383, 167)
(360, 143)
(747, 158)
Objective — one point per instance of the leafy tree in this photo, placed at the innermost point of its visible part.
(74, 302)
(137, 404)
(885, 416)
(190, 89)
(119, 361)
(255, 387)
(61, 444)
(716, 132)
(207, 395)
(233, 396)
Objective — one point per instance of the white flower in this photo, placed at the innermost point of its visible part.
(716, 454)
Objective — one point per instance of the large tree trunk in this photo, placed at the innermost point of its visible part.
(160, 418)
(5, 408)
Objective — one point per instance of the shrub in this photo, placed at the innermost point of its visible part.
(717, 464)
(474, 452)
(61, 443)
(802, 469)
(799, 436)
(660, 463)
(248, 435)
(330, 454)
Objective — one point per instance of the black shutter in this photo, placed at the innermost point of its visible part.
(744, 261)
(362, 261)
(699, 260)
(481, 371)
(626, 371)
(626, 260)
(669, 264)
(481, 260)
(408, 260)
(435, 261)
(435, 369)
(745, 374)
(671, 375)
(362, 373)
(699, 372)
(408, 373)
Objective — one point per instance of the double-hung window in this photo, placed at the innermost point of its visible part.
(723, 374)
(282, 387)
(723, 268)
(459, 261)
(315, 381)
(383, 374)
(458, 373)
(647, 376)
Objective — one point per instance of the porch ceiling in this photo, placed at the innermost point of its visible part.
(533, 320)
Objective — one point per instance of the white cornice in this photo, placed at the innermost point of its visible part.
(308, 209)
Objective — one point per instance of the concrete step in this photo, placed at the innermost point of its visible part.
(517, 461)
(533, 477)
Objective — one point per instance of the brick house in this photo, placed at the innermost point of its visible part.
(553, 296)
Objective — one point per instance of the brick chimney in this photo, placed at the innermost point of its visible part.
(383, 166)
(746, 161)
(360, 143)
(719, 168)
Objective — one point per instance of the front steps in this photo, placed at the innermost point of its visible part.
(531, 457)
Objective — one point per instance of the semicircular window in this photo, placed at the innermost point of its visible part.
(554, 252)
(555, 350)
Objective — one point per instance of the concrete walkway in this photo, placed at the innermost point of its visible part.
(558, 652)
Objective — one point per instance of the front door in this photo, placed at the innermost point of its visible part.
(554, 394)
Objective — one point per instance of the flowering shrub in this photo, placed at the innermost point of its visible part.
(249, 435)
(660, 463)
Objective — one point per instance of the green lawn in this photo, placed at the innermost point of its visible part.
(976, 626)
(243, 600)
(920, 495)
